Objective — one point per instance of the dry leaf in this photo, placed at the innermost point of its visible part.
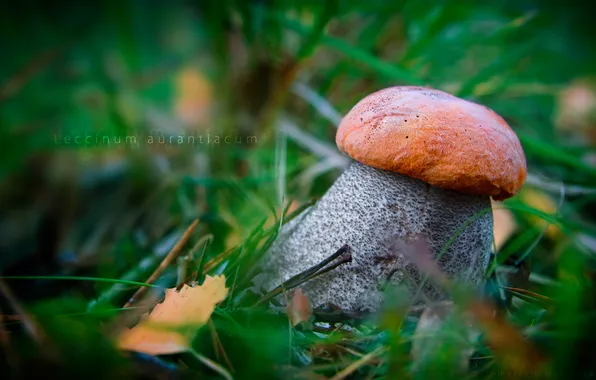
(299, 309)
(503, 224)
(190, 307)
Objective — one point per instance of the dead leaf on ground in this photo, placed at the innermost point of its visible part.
(299, 309)
(170, 327)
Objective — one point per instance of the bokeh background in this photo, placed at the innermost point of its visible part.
(275, 78)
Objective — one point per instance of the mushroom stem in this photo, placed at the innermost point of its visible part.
(374, 212)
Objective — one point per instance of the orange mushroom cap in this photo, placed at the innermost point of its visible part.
(435, 137)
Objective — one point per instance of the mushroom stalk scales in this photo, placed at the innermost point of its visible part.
(370, 209)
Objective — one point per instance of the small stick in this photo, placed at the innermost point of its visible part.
(219, 346)
(308, 274)
(170, 257)
(345, 260)
(127, 319)
(209, 265)
(359, 363)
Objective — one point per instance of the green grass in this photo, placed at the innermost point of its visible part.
(82, 227)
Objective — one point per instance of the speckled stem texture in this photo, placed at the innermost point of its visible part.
(374, 212)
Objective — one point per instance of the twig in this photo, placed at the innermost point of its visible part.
(347, 259)
(209, 265)
(219, 346)
(308, 274)
(359, 363)
(132, 314)
(535, 278)
(170, 257)
(349, 350)
(147, 263)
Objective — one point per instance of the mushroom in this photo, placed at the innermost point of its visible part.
(424, 163)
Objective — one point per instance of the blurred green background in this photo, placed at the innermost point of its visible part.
(274, 78)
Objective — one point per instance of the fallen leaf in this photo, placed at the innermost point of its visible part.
(504, 224)
(299, 309)
(170, 327)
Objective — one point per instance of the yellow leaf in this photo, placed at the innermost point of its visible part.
(191, 306)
